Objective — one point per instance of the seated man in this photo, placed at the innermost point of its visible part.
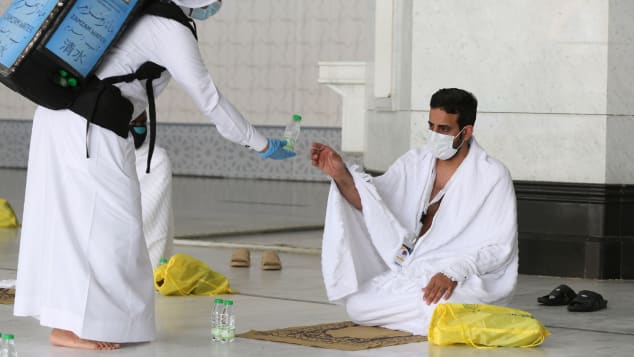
(156, 193)
(439, 225)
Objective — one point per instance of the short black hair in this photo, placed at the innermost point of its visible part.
(456, 101)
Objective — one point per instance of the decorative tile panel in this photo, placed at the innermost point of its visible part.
(14, 143)
(199, 150)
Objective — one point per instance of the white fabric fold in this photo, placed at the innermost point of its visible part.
(156, 202)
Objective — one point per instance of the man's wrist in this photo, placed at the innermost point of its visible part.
(343, 176)
(449, 277)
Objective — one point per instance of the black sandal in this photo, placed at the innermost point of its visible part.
(561, 295)
(587, 301)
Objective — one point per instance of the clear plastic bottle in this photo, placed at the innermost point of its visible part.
(216, 321)
(291, 132)
(228, 320)
(8, 346)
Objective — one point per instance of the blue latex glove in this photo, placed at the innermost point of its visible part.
(276, 150)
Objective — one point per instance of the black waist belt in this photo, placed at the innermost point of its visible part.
(102, 104)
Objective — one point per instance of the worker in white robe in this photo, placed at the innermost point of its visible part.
(156, 193)
(83, 266)
(439, 226)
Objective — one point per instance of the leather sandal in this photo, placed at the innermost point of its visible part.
(271, 261)
(561, 295)
(241, 258)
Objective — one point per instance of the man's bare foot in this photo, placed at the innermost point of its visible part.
(68, 339)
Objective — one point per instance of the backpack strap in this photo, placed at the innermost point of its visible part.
(103, 105)
(148, 71)
(167, 9)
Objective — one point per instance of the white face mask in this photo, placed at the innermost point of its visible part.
(441, 145)
(203, 13)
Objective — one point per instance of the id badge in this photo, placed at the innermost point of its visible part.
(403, 253)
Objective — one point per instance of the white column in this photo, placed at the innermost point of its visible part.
(383, 25)
(348, 80)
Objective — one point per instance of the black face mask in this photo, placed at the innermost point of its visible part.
(139, 132)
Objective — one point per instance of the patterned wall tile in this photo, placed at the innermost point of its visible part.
(14, 143)
(199, 150)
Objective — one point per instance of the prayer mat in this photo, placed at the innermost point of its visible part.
(345, 336)
(7, 296)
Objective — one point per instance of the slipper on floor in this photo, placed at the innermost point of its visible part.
(561, 295)
(241, 258)
(587, 301)
(271, 261)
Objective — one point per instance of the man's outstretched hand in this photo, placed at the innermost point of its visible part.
(327, 160)
(438, 287)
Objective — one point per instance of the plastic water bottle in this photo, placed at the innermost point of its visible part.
(216, 321)
(228, 321)
(291, 132)
(8, 346)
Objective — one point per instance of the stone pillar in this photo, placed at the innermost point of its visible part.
(348, 79)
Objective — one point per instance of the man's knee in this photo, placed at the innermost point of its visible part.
(358, 307)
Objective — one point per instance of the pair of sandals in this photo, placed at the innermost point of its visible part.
(584, 301)
(241, 258)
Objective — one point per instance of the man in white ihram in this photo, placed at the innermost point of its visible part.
(156, 193)
(439, 225)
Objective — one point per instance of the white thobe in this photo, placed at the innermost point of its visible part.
(472, 240)
(83, 264)
(156, 202)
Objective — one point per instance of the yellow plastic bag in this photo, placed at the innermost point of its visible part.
(184, 275)
(483, 326)
(7, 216)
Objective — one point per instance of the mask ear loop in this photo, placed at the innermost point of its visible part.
(459, 134)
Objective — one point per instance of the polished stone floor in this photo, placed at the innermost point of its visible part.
(215, 215)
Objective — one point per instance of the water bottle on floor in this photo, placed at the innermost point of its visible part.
(228, 318)
(8, 346)
(216, 321)
(291, 132)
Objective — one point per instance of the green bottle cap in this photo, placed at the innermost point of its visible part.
(228, 302)
(8, 336)
(162, 261)
(218, 301)
(63, 73)
(297, 117)
(72, 82)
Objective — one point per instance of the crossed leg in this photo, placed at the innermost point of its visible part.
(67, 338)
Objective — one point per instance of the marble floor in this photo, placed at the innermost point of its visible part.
(215, 215)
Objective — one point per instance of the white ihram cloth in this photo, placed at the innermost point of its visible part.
(473, 240)
(83, 263)
(156, 202)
